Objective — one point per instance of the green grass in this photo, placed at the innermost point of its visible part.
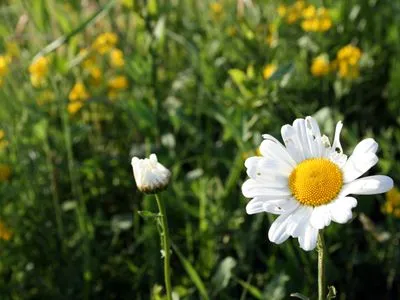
(197, 98)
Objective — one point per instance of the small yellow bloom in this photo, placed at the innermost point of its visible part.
(4, 61)
(216, 8)
(105, 42)
(2, 134)
(310, 12)
(74, 107)
(5, 233)
(320, 66)
(117, 58)
(350, 54)
(96, 76)
(392, 204)
(269, 70)
(5, 172)
(78, 92)
(282, 9)
(316, 20)
(39, 70)
(118, 83)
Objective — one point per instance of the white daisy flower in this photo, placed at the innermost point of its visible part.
(308, 181)
(150, 176)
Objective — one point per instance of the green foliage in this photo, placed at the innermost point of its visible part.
(197, 96)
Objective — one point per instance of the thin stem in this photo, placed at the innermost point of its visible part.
(166, 246)
(321, 266)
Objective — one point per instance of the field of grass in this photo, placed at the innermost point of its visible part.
(87, 85)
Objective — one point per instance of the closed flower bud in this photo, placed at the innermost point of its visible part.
(150, 176)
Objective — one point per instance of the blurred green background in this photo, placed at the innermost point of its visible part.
(86, 85)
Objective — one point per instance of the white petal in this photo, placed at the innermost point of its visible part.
(314, 137)
(277, 232)
(370, 185)
(362, 159)
(277, 151)
(298, 220)
(308, 238)
(300, 127)
(336, 146)
(251, 165)
(320, 217)
(292, 143)
(340, 209)
(279, 207)
(252, 188)
(258, 204)
(269, 171)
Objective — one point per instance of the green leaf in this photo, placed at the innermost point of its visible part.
(255, 292)
(191, 271)
(238, 76)
(148, 214)
(300, 296)
(282, 71)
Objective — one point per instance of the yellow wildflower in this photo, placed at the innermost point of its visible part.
(316, 20)
(3, 142)
(4, 61)
(350, 54)
(78, 92)
(348, 58)
(392, 204)
(74, 107)
(117, 58)
(5, 233)
(320, 66)
(269, 70)
(105, 42)
(217, 9)
(282, 9)
(96, 76)
(118, 83)
(5, 172)
(38, 70)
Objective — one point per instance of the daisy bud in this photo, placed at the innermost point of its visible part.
(150, 176)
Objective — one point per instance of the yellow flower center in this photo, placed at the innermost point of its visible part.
(315, 181)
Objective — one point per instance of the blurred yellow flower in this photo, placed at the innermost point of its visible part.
(118, 83)
(105, 42)
(216, 9)
(96, 76)
(320, 66)
(74, 107)
(4, 61)
(5, 172)
(348, 58)
(78, 92)
(282, 9)
(5, 233)
(117, 58)
(39, 70)
(269, 70)
(3, 141)
(316, 20)
(2, 134)
(392, 204)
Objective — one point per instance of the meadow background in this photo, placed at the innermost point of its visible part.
(86, 85)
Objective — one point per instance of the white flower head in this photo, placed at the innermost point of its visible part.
(150, 176)
(308, 181)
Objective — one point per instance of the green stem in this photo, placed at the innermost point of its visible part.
(166, 246)
(321, 266)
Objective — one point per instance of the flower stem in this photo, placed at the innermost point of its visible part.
(166, 246)
(321, 266)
